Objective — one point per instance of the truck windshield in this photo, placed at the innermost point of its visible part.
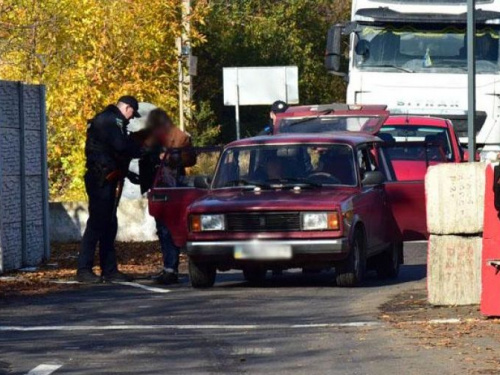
(425, 48)
(288, 165)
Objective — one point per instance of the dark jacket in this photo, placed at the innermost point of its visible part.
(108, 145)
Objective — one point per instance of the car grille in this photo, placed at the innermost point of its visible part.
(263, 221)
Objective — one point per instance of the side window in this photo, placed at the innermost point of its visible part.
(366, 160)
(180, 167)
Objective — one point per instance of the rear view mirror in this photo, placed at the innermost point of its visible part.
(373, 178)
(202, 182)
(334, 49)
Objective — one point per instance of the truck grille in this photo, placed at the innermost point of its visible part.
(263, 221)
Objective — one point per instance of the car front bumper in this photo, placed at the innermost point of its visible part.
(336, 247)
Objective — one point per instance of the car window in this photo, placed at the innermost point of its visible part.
(409, 142)
(266, 165)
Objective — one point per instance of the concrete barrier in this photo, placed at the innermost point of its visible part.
(455, 198)
(454, 270)
(68, 221)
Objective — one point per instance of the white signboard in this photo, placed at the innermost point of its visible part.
(261, 85)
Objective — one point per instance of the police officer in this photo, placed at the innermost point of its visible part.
(108, 150)
(278, 106)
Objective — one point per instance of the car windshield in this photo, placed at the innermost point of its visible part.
(289, 165)
(323, 124)
(405, 142)
(425, 49)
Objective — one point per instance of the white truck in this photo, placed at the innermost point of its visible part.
(412, 56)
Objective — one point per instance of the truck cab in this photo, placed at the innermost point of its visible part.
(412, 53)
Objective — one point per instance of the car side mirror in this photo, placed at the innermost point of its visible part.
(202, 182)
(373, 178)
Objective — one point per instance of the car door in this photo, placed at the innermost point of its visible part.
(406, 202)
(372, 205)
(170, 197)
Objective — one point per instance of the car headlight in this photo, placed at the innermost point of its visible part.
(320, 221)
(202, 223)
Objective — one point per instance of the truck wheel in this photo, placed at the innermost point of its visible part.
(351, 272)
(202, 275)
(387, 263)
(254, 274)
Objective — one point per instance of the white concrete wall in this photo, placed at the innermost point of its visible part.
(68, 221)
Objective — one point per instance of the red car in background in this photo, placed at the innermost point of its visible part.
(414, 143)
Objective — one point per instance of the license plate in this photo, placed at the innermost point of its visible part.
(262, 251)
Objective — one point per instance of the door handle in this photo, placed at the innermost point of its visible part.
(159, 197)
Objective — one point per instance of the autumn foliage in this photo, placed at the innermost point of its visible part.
(89, 52)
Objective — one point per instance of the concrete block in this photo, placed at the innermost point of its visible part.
(10, 205)
(68, 221)
(455, 198)
(12, 246)
(10, 151)
(33, 152)
(31, 98)
(454, 270)
(9, 104)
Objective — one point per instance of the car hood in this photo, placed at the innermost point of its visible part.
(233, 200)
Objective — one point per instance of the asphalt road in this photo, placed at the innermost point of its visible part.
(293, 323)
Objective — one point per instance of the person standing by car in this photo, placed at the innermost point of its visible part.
(172, 170)
(278, 106)
(108, 150)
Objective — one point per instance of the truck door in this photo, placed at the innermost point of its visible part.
(171, 195)
(406, 201)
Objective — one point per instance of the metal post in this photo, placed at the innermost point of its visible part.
(45, 175)
(181, 84)
(22, 175)
(471, 68)
(237, 112)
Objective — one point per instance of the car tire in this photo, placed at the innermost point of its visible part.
(351, 272)
(202, 275)
(387, 264)
(254, 274)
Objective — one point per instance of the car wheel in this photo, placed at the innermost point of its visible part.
(202, 275)
(387, 264)
(254, 274)
(351, 272)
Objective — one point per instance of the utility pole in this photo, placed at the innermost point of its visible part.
(471, 70)
(184, 55)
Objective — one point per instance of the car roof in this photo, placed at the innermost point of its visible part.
(350, 138)
(416, 121)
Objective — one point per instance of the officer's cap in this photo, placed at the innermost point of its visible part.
(279, 106)
(131, 101)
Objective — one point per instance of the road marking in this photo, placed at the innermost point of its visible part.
(44, 369)
(240, 327)
(253, 351)
(145, 287)
(445, 321)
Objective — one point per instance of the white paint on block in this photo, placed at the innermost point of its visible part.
(455, 198)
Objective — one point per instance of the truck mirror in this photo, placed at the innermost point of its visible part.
(373, 178)
(363, 48)
(334, 49)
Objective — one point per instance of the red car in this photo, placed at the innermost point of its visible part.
(296, 200)
(414, 143)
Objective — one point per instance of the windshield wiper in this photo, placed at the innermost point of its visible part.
(389, 66)
(327, 112)
(294, 181)
(243, 182)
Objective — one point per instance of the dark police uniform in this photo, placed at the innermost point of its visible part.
(108, 150)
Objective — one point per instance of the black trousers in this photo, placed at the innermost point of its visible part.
(102, 226)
